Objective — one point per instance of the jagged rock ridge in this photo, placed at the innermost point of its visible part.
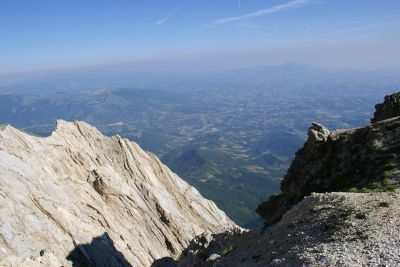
(96, 200)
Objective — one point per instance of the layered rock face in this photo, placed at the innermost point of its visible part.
(83, 199)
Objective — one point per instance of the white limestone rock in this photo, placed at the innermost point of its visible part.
(80, 195)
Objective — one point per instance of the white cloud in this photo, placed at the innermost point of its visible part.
(261, 12)
(166, 18)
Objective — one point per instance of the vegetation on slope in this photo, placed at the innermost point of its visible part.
(357, 160)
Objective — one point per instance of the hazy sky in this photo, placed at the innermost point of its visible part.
(216, 34)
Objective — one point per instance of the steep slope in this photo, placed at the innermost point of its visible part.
(362, 159)
(331, 229)
(325, 229)
(78, 197)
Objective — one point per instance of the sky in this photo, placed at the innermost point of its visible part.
(198, 35)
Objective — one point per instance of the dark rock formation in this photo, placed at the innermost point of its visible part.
(298, 175)
(329, 229)
(388, 109)
(363, 159)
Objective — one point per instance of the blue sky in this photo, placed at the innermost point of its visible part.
(224, 34)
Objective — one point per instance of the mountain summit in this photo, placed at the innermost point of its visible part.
(80, 198)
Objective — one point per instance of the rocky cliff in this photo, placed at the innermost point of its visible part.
(356, 226)
(83, 199)
(363, 159)
(388, 109)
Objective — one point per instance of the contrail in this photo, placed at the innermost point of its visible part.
(163, 20)
(240, 6)
(262, 12)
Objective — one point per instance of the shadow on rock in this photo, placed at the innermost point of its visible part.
(165, 262)
(101, 252)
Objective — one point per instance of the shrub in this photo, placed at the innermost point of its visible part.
(225, 251)
(313, 208)
(390, 166)
(361, 216)
(364, 190)
(374, 185)
(352, 190)
(386, 175)
(384, 204)
(391, 187)
(346, 214)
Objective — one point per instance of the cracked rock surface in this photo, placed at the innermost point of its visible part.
(96, 200)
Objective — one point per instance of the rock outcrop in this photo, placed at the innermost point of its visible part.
(318, 133)
(388, 109)
(361, 159)
(80, 198)
(359, 227)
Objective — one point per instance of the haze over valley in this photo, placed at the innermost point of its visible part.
(230, 134)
